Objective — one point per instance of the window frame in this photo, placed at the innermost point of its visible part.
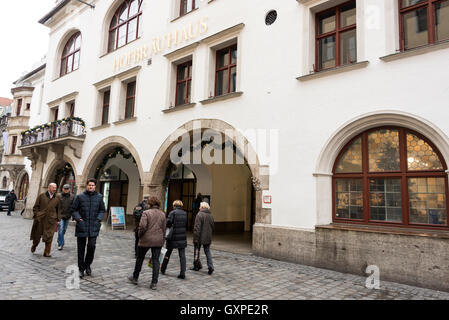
(337, 32)
(181, 13)
(228, 67)
(116, 28)
(403, 174)
(14, 145)
(188, 98)
(19, 107)
(65, 58)
(106, 106)
(431, 27)
(130, 97)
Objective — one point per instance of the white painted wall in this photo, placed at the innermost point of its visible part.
(306, 113)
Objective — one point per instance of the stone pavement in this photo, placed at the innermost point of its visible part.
(24, 275)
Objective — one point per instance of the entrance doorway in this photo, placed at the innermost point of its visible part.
(114, 185)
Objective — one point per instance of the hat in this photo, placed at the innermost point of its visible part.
(66, 186)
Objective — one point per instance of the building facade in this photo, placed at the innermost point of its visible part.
(338, 146)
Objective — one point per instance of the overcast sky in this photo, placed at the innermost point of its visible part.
(24, 41)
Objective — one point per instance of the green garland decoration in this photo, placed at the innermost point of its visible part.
(50, 124)
(111, 155)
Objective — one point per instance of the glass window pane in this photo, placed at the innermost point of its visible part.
(351, 159)
(112, 38)
(408, 3)
(349, 198)
(133, 8)
(222, 82)
(233, 79)
(121, 36)
(139, 26)
(348, 47)
(383, 150)
(72, 45)
(78, 42)
(181, 93)
(63, 66)
(76, 61)
(129, 108)
(234, 56)
(442, 20)
(223, 58)
(69, 63)
(385, 200)
(348, 15)
(182, 72)
(113, 22)
(427, 198)
(105, 115)
(132, 30)
(326, 22)
(420, 155)
(123, 13)
(183, 7)
(415, 28)
(326, 53)
(131, 89)
(106, 97)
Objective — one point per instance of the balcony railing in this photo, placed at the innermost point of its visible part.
(54, 131)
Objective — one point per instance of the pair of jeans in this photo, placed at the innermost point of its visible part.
(182, 259)
(62, 227)
(86, 261)
(155, 253)
(196, 255)
(136, 243)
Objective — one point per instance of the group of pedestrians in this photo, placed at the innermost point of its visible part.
(154, 228)
(152, 233)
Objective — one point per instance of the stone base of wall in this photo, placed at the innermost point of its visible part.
(419, 258)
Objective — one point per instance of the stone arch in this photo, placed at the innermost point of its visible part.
(352, 128)
(53, 167)
(19, 181)
(60, 47)
(259, 173)
(101, 149)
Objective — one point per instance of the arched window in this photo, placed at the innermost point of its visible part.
(23, 189)
(125, 24)
(4, 183)
(390, 176)
(70, 59)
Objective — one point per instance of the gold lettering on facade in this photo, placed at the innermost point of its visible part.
(159, 44)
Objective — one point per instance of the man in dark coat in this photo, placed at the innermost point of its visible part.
(88, 211)
(47, 214)
(11, 200)
(66, 213)
(177, 219)
(137, 213)
(202, 236)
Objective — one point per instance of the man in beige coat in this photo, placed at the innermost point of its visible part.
(151, 236)
(47, 214)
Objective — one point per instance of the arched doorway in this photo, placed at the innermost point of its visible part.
(233, 189)
(23, 187)
(61, 172)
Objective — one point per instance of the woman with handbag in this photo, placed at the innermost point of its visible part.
(151, 236)
(176, 237)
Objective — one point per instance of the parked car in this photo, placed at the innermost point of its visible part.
(3, 204)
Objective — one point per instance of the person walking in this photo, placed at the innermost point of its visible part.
(47, 214)
(66, 213)
(24, 206)
(11, 199)
(151, 236)
(202, 236)
(177, 219)
(195, 209)
(88, 211)
(137, 213)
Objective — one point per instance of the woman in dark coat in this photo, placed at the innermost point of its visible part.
(177, 219)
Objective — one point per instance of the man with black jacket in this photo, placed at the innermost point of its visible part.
(66, 213)
(88, 211)
(11, 200)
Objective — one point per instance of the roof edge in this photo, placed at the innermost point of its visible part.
(55, 10)
(29, 74)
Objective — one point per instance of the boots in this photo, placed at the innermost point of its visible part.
(47, 249)
(164, 264)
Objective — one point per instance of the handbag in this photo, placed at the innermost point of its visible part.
(161, 258)
(169, 231)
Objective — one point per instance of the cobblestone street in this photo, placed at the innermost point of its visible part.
(24, 275)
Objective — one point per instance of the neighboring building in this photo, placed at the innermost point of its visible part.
(355, 92)
(5, 107)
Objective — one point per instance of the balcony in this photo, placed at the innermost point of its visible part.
(55, 136)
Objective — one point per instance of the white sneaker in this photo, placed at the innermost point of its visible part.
(59, 247)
